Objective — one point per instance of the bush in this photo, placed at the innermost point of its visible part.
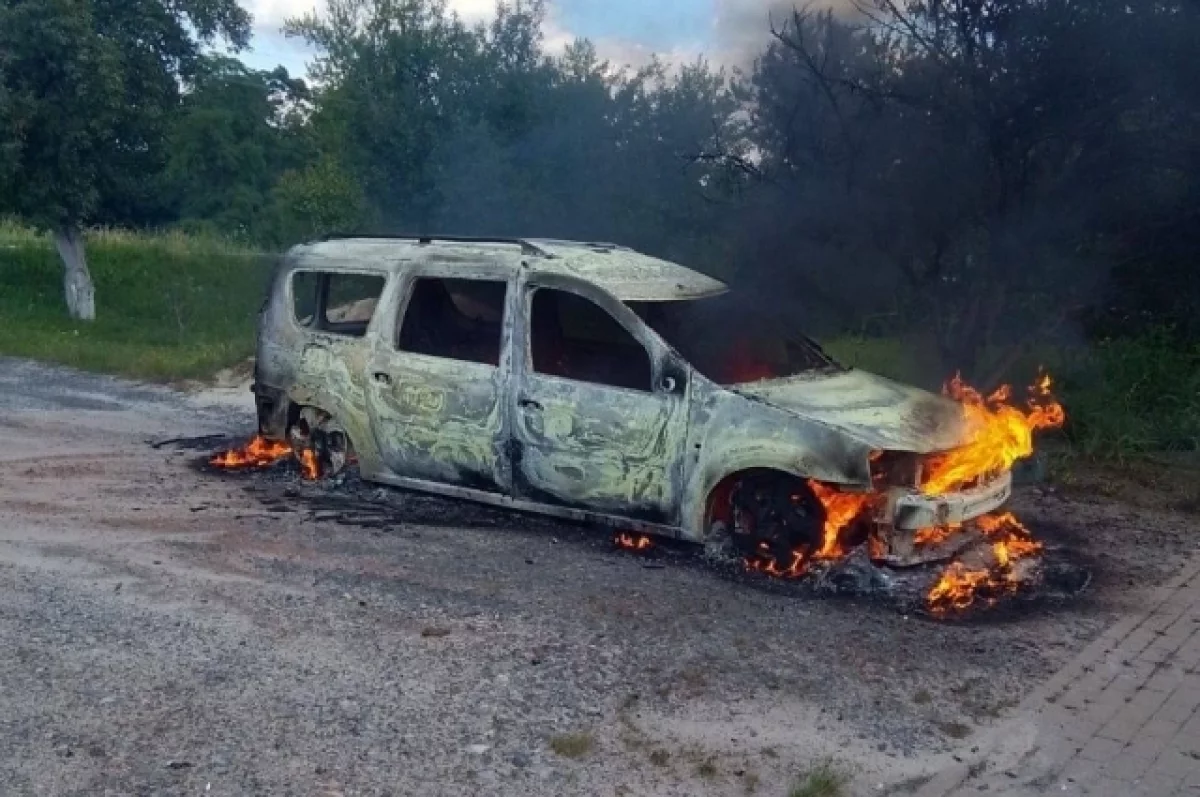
(1134, 397)
(321, 199)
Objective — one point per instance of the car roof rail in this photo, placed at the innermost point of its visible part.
(527, 247)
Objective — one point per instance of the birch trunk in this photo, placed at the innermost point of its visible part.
(77, 281)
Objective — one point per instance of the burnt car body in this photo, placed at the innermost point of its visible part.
(532, 374)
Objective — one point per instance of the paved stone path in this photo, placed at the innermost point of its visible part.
(1122, 720)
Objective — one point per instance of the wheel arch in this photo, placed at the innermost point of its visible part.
(717, 473)
(347, 413)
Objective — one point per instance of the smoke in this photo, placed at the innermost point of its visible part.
(743, 27)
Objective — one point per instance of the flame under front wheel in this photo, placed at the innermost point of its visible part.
(774, 514)
(317, 430)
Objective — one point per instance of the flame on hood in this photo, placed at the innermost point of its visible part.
(1000, 433)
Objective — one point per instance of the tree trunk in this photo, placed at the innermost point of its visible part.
(77, 282)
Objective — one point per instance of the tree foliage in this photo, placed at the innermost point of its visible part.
(89, 88)
(965, 161)
(87, 91)
(236, 133)
(984, 172)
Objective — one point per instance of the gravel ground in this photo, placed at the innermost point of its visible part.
(166, 630)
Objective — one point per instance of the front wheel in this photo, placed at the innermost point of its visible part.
(773, 517)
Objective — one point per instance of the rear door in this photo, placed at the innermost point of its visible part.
(436, 387)
(599, 413)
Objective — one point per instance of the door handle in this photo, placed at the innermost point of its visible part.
(530, 404)
(382, 378)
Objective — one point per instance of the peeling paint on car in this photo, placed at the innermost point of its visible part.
(500, 433)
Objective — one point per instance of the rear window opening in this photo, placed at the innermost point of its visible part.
(336, 303)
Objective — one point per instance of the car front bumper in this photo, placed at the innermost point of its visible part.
(913, 511)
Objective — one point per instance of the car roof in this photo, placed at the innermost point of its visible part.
(626, 274)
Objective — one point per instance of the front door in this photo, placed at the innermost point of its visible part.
(436, 389)
(597, 422)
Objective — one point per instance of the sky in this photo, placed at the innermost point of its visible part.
(625, 31)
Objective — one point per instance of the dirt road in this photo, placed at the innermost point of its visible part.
(169, 631)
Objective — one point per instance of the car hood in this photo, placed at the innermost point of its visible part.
(879, 412)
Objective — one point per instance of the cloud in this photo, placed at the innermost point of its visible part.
(270, 47)
(743, 27)
(270, 14)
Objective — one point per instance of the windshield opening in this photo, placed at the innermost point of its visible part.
(731, 347)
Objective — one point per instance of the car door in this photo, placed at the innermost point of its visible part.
(436, 388)
(599, 410)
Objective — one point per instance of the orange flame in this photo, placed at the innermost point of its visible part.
(1001, 433)
(841, 510)
(258, 453)
(765, 562)
(935, 535)
(633, 542)
(961, 588)
(310, 468)
(263, 453)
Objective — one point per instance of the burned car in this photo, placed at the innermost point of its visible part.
(557, 377)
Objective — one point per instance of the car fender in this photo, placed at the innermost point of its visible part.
(731, 433)
(330, 376)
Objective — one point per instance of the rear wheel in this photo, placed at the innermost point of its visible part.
(317, 431)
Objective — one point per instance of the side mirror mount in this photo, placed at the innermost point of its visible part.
(674, 383)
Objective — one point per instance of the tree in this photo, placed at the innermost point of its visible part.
(87, 88)
(236, 132)
(318, 200)
(399, 75)
(950, 157)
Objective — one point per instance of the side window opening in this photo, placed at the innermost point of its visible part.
(574, 338)
(457, 319)
(340, 304)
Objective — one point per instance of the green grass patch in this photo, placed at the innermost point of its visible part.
(573, 745)
(1133, 398)
(168, 306)
(823, 781)
(890, 357)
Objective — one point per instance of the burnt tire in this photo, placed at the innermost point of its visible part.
(774, 514)
(318, 431)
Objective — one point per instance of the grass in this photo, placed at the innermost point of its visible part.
(955, 730)
(573, 745)
(823, 781)
(168, 306)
